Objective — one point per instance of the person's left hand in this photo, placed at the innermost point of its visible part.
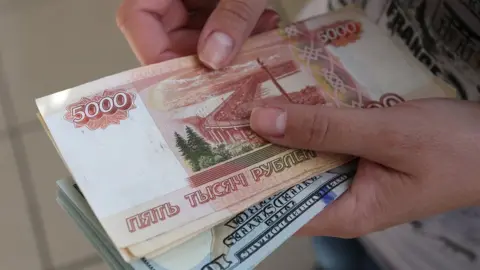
(160, 30)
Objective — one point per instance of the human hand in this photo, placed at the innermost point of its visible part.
(160, 30)
(417, 159)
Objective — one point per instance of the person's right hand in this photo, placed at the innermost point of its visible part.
(160, 30)
(417, 159)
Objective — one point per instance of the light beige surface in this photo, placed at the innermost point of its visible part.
(99, 266)
(46, 46)
(59, 45)
(40, 156)
(15, 226)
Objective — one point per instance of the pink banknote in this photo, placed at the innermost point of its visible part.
(175, 137)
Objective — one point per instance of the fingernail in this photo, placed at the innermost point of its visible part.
(216, 50)
(268, 121)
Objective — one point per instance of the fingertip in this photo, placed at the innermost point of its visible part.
(269, 122)
(226, 30)
(141, 24)
(269, 20)
(216, 50)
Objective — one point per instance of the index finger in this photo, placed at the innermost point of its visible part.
(141, 23)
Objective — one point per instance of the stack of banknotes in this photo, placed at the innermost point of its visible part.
(167, 174)
(238, 243)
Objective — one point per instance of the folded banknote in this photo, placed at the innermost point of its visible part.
(164, 152)
(241, 242)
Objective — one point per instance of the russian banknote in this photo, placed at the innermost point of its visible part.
(165, 152)
(241, 242)
(439, 34)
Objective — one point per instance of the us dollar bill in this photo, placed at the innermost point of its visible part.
(241, 242)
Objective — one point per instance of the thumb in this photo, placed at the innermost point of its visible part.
(359, 132)
(227, 28)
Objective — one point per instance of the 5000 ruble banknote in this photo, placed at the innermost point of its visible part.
(165, 152)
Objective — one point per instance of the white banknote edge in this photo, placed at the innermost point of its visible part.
(75, 199)
(103, 248)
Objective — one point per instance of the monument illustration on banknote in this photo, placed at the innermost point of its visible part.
(205, 118)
